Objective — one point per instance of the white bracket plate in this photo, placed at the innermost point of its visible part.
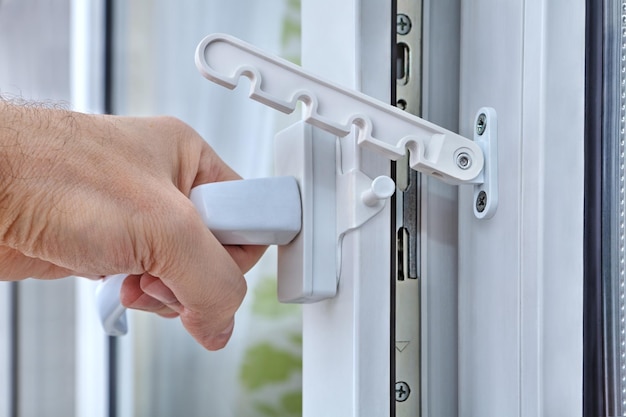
(307, 265)
(333, 203)
(486, 135)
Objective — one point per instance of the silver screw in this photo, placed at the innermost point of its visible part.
(402, 391)
(481, 201)
(463, 160)
(481, 124)
(403, 24)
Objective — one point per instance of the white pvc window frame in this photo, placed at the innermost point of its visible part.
(346, 347)
(5, 348)
(87, 94)
(521, 273)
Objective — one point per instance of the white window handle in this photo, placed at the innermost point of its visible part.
(263, 211)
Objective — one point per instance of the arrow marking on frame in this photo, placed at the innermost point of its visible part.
(400, 346)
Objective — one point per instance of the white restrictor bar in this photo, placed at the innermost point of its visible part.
(280, 84)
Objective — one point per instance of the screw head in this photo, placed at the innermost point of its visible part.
(481, 201)
(402, 391)
(403, 24)
(463, 160)
(481, 124)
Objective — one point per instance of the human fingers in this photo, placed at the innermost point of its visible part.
(132, 296)
(155, 288)
(245, 256)
(197, 270)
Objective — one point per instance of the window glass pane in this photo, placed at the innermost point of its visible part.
(37, 332)
(162, 370)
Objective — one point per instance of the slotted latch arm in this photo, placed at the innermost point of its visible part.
(280, 84)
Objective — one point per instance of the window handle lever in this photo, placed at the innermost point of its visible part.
(264, 211)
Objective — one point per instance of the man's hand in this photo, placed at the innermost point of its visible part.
(94, 195)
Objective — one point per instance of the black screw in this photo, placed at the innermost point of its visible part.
(402, 391)
(481, 201)
(403, 24)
